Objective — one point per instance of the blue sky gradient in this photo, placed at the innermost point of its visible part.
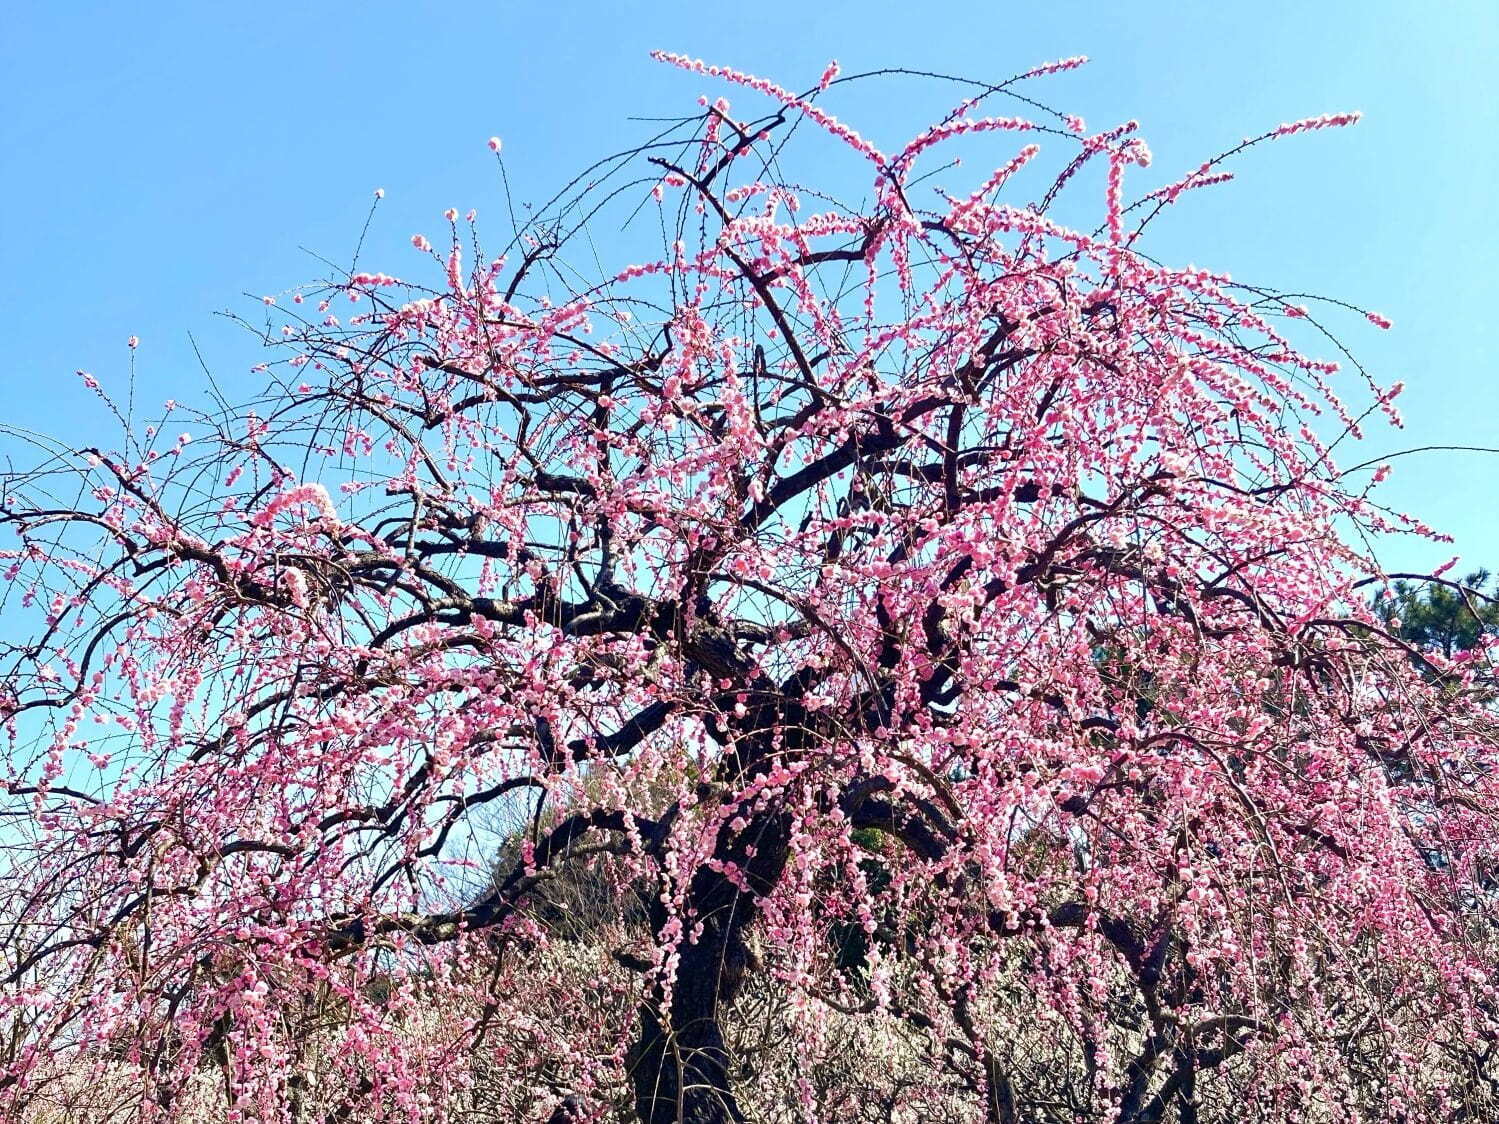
(160, 161)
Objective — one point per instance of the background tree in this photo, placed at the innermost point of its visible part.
(929, 567)
(1452, 618)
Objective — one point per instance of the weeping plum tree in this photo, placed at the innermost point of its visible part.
(929, 622)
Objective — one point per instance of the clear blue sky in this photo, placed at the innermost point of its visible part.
(158, 160)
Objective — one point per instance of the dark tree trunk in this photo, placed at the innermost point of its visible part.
(1000, 1100)
(680, 1062)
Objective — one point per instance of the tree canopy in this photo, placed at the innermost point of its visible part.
(924, 638)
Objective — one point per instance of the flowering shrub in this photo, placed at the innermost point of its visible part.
(914, 653)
